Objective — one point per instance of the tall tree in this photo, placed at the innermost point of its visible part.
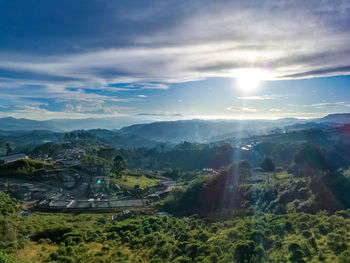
(309, 161)
(269, 167)
(107, 153)
(244, 171)
(8, 149)
(119, 164)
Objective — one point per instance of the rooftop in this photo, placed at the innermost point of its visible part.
(13, 158)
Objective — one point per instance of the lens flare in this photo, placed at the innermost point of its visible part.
(249, 79)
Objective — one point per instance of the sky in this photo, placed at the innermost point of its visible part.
(174, 59)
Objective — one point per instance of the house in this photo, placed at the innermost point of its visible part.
(23, 191)
(12, 158)
(100, 170)
(99, 182)
(69, 178)
(23, 194)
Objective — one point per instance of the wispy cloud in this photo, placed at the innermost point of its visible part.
(138, 48)
(213, 39)
(241, 109)
(275, 110)
(331, 104)
(260, 97)
(44, 114)
(161, 114)
(337, 104)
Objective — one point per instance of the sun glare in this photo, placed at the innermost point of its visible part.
(249, 79)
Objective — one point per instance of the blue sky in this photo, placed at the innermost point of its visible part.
(174, 59)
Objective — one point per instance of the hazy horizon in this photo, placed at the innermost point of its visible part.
(157, 118)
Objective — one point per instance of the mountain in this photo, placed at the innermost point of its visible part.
(339, 118)
(63, 125)
(150, 132)
(203, 130)
(13, 124)
(123, 140)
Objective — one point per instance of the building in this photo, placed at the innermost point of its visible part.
(69, 178)
(100, 170)
(12, 158)
(99, 183)
(27, 192)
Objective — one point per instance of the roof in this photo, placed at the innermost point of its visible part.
(13, 158)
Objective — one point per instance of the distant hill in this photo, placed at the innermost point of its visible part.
(60, 125)
(112, 123)
(203, 130)
(123, 140)
(150, 133)
(13, 124)
(339, 118)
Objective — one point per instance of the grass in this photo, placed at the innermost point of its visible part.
(283, 175)
(34, 252)
(128, 180)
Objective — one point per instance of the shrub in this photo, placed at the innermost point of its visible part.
(289, 226)
(183, 259)
(244, 251)
(344, 257)
(5, 258)
(306, 234)
(336, 242)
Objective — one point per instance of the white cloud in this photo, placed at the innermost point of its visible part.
(70, 112)
(259, 97)
(215, 40)
(241, 109)
(275, 110)
(337, 104)
(331, 104)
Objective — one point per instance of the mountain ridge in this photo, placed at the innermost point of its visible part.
(148, 126)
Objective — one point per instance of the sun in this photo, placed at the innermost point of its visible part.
(248, 79)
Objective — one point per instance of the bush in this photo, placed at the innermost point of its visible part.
(306, 234)
(297, 256)
(336, 242)
(183, 259)
(5, 258)
(344, 257)
(244, 251)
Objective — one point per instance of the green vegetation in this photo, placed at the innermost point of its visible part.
(128, 179)
(292, 237)
(26, 169)
(8, 149)
(118, 165)
(284, 200)
(282, 194)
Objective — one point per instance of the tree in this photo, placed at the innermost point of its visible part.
(106, 153)
(309, 161)
(268, 166)
(8, 149)
(244, 171)
(119, 164)
(244, 251)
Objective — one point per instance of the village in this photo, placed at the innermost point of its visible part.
(79, 187)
